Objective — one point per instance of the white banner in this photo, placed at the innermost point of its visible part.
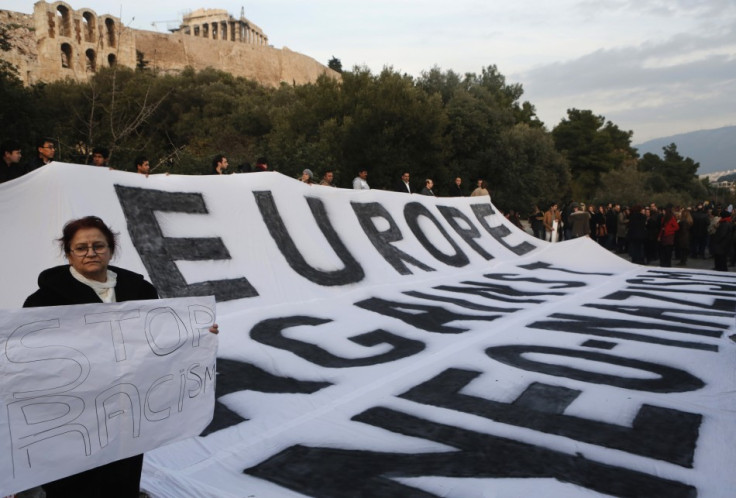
(385, 344)
(86, 385)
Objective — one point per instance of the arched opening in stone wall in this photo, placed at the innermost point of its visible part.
(91, 60)
(205, 30)
(63, 20)
(214, 31)
(110, 29)
(88, 23)
(111, 60)
(66, 55)
(196, 30)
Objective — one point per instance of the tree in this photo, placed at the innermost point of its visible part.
(593, 147)
(680, 171)
(335, 64)
(533, 172)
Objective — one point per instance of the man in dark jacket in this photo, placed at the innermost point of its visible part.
(46, 150)
(10, 167)
(721, 242)
(403, 184)
(699, 232)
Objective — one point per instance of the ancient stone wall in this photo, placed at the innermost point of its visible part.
(57, 42)
(267, 65)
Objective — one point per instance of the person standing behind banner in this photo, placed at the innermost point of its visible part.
(427, 190)
(46, 150)
(722, 241)
(359, 182)
(482, 189)
(552, 219)
(403, 184)
(328, 179)
(100, 156)
(10, 167)
(666, 237)
(142, 166)
(682, 239)
(219, 165)
(536, 220)
(456, 188)
(637, 235)
(89, 245)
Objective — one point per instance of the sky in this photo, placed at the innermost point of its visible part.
(655, 67)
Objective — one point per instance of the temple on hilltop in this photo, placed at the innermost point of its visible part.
(217, 24)
(57, 42)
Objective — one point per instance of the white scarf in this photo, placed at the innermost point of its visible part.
(106, 290)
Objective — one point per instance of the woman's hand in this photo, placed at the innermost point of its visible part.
(214, 329)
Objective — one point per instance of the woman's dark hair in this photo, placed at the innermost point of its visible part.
(73, 226)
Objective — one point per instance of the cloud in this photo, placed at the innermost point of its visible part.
(655, 87)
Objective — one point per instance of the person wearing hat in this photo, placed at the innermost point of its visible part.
(307, 176)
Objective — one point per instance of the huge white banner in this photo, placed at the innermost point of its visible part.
(385, 344)
(90, 384)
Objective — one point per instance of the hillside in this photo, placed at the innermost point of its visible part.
(715, 150)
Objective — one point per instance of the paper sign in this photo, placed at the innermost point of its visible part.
(90, 384)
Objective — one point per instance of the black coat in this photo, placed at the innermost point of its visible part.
(401, 187)
(57, 287)
(637, 227)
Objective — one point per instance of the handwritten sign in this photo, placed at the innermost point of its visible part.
(90, 384)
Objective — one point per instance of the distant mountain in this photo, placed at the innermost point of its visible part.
(715, 150)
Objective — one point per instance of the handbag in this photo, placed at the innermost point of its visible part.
(601, 231)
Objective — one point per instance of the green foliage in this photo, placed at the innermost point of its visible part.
(593, 147)
(440, 125)
(335, 64)
(655, 179)
(532, 171)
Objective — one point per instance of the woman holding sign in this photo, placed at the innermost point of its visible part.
(89, 245)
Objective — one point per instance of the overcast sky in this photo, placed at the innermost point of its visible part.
(656, 67)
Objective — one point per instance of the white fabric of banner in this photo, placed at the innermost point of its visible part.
(376, 343)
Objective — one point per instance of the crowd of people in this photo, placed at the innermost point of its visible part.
(11, 166)
(647, 234)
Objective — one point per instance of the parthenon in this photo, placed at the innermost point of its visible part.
(217, 24)
(58, 42)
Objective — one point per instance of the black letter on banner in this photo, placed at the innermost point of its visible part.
(269, 332)
(337, 473)
(722, 307)
(500, 231)
(234, 376)
(352, 271)
(515, 277)
(687, 279)
(497, 292)
(606, 327)
(463, 303)
(412, 212)
(451, 215)
(429, 318)
(671, 380)
(159, 253)
(661, 433)
(667, 314)
(382, 240)
(539, 265)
